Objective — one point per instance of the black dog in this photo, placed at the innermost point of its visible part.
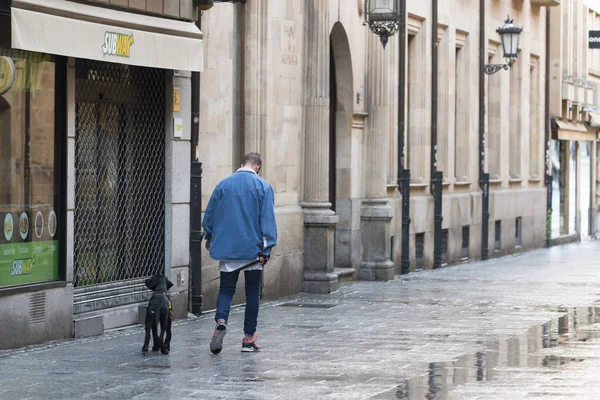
(158, 311)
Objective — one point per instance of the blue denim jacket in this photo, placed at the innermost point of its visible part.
(239, 220)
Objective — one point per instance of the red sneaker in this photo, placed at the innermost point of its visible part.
(249, 345)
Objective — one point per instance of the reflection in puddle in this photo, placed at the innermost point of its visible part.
(522, 351)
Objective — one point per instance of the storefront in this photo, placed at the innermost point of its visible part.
(86, 125)
(572, 157)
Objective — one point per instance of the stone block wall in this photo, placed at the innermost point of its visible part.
(179, 9)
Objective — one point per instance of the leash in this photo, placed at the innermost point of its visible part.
(215, 279)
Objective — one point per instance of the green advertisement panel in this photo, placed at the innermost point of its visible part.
(29, 247)
(28, 262)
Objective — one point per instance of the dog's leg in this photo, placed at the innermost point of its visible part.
(168, 339)
(163, 328)
(148, 324)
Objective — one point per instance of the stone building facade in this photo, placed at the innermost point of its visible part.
(101, 131)
(308, 86)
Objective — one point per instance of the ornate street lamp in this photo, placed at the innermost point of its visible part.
(509, 36)
(383, 17)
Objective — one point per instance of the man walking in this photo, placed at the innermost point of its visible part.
(239, 223)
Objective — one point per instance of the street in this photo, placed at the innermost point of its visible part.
(517, 327)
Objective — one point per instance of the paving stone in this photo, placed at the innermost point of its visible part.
(520, 327)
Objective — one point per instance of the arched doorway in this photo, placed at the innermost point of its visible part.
(341, 183)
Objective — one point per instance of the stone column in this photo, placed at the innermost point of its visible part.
(255, 77)
(376, 214)
(319, 220)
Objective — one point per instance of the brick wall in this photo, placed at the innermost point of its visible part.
(181, 9)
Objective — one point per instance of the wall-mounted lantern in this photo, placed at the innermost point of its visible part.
(509, 37)
(383, 18)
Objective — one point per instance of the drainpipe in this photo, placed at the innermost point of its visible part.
(547, 136)
(484, 178)
(403, 174)
(436, 176)
(196, 197)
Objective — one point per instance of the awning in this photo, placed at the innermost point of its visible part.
(565, 130)
(78, 30)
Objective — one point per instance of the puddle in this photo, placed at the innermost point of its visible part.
(522, 351)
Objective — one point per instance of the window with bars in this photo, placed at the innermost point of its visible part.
(444, 246)
(419, 251)
(465, 243)
(518, 227)
(498, 235)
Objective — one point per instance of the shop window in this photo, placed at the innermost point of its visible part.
(29, 168)
(419, 251)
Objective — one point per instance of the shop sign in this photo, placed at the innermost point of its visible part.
(176, 99)
(7, 74)
(28, 251)
(117, 44)
(594, 39)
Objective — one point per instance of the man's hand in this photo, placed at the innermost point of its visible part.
(263, 258)
(207, 245)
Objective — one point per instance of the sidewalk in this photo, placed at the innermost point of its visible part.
(465, 331)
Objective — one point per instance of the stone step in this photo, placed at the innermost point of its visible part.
(101, 297)
(345, 274)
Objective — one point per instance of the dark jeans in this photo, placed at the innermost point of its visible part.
(227, 290)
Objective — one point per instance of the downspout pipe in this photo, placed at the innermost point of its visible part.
(403, 173)
(434, 89)
(484, 178)
(436, 176)
(401, 90)
(547, 123)
(196, 196)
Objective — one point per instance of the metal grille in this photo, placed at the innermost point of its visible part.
(419, 251)
(120, 170)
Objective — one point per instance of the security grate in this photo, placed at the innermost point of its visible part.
(120, 169)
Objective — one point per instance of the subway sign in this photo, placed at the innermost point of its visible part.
(594, 40)
(117, 44)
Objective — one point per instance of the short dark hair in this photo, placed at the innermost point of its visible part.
(252, 159)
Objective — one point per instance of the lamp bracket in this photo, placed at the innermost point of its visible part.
(491, 69)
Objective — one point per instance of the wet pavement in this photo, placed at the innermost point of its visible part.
(519, 327)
